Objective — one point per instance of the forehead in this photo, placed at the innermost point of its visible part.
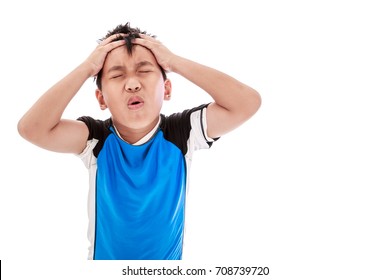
(121, 57)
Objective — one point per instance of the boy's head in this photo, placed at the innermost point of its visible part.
(132, 33)
(132, 85)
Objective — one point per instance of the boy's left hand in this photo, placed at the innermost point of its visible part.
(162, 54)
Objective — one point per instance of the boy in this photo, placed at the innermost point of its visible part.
(138, 159)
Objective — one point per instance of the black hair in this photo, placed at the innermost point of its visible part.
(132, 32)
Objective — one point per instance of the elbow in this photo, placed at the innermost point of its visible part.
(254, 103)
(23, 129)
(27, 130)
(249, 107)
(257, 101)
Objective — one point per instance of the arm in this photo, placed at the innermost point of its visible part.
(42, 124)
(234, 102)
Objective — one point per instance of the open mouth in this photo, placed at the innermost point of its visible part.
(135, 103)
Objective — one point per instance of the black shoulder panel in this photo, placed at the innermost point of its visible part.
(177, 127)
(98, 130)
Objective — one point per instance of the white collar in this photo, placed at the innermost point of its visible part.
(144, 139)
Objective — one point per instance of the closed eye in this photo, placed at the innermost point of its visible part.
(116, 76)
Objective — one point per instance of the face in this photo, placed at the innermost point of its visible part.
(133, 88)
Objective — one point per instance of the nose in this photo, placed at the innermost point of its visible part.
(132, 85)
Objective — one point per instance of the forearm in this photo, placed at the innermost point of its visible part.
(46, 113)
(225, 90)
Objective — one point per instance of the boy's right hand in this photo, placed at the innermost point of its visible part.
(98, 56)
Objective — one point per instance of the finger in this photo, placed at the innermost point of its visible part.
(139, 41)
(104, 49)
(111, 38)
(150, 38)
(108, 46)
(145, 43)
(112, 45)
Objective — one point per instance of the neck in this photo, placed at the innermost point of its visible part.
(133, 135)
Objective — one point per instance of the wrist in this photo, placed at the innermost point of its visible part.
(175, 63)
(88, 69)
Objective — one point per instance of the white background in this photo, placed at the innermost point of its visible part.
(302, 187)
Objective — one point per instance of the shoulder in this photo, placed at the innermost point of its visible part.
(187, 128)
(98, 129)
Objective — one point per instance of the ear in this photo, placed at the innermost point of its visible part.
(168, 89)
(100, 99)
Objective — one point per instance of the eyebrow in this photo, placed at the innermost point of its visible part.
(144, 63)
(115, 68)
(138, 65)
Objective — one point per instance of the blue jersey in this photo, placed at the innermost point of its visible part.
(137, 192)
